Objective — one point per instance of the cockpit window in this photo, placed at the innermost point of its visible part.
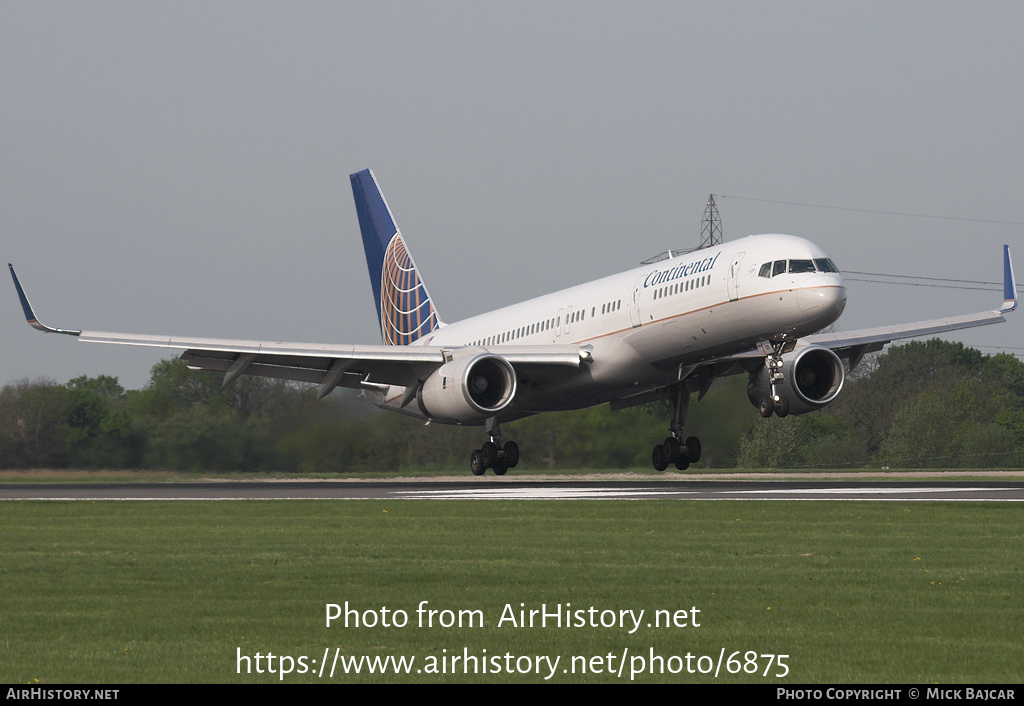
(766, 270)
(824, 264)
(779, 268)
(800, 266)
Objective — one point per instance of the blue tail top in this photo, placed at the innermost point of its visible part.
(404, 307)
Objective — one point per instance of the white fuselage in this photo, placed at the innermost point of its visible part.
(643, 324)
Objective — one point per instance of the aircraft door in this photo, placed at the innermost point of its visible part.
(634, 303)
(734, 276)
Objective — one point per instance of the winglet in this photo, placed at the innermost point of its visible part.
(29, 314)
(1009, 285)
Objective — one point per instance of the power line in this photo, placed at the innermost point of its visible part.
(990, 286)
(871, 210)
(922, 284)
(936, 279)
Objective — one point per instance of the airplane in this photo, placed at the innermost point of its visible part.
(662, 331)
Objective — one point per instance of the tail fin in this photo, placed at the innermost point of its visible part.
(404, 307)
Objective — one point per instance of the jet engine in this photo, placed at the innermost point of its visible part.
(468, 390)
(812, 378)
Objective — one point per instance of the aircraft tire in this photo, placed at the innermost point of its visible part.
(682, 463)
(782, 408)
(765, 407)
(500, 467)
(511, 454)
(671, 447)
(658, 458)
(490, 454)
(476, 463)
(693, 449)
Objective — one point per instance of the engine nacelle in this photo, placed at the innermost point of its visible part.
(468, 390)
(813, 377)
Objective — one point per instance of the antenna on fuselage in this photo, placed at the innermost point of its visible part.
(710, 234)
(711, 225)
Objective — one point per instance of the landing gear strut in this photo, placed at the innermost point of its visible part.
(675, 450)
(774, 402)
(492, 454)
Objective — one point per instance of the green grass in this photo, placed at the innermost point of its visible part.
(168, 591)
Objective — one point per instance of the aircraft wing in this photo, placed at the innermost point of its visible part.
(326, 365)
(854, 344)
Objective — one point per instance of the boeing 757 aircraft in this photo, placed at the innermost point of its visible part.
(663, 331)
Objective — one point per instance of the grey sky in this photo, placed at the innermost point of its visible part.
(182, 168)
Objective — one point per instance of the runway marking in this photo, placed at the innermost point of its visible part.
(872, 491)
(612, 493)
(536, 493)
(561, 492)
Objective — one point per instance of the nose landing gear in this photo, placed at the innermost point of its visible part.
(773, 362)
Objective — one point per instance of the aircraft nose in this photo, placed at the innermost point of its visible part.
(811, 295)
(820, 294)
(839, 299)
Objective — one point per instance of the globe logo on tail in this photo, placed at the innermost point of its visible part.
(406, 312)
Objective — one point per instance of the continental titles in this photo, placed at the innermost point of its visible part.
(657, 277)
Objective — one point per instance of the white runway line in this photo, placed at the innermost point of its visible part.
(609, 493)
(868, 491)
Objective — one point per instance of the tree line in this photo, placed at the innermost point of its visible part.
(922, 404)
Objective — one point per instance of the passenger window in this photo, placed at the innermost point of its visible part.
(779, 267)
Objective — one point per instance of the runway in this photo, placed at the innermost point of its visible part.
(506, 489)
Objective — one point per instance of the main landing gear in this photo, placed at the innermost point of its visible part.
(493, 455)
(674, 450)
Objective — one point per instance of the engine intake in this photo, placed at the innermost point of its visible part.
(813, 377)
(468, 390)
